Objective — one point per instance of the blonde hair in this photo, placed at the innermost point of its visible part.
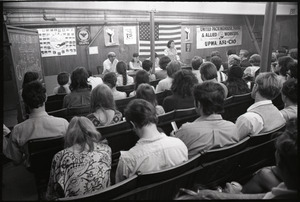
(82, 131)
(102, 97)
(269, 86)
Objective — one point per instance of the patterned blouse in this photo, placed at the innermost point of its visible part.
(117, 118)
(74, 174)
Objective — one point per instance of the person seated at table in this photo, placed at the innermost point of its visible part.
(122, 78)
(38, 125)
(84, 166)
(110, 79)
(196, 62)
(141, 77)
(166, 83)
(146, 92)
(103, 107)
(80, 89)
(182, 86)
(209, 131)
(63, 79)
(163, 62)
(109, 65)
(154, 150)
(147, 66)
(135, 63)
(94, 80)
(289, 97)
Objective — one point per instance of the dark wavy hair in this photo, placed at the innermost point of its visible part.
(110, 79)
(293, 67)
(169, 43)
(147, 65)
(121, 69)
(216, 61)
(289, 89)
(211, 97)
(283, 62)
(163, 62)
(79, 79)
(62, 79)
(30, 76)
(183, 83)
(141, 77)
(34, 94)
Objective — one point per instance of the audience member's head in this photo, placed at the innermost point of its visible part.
(215, 53)
(146, 92)
(230, 52)
(267, 85)
(233, 59)
(171, 44)
(121, 69)
(173, 67)
(244, 54)
(81, 131)
(30, 76)
(208, 71)
(279, 55)
(163, 62)
(292, 70)
(62, 79)
(234, 73)
(102, 98)
(294, 53)
(147, 65)
(34, 94)
(209, 98)
(216, 61)
(141, 77)
(289, 90)
(110, 79)
(79, 78)
(135, 57)
(196, 62)
(283, 62)
(183, 83)
(111, 56)
(255, 60)
(141, 113)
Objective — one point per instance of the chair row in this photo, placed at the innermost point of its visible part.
(129, 88)
(210, 168)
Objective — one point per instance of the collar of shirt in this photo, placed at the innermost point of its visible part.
(152, 139)
(36, 114)
(257, 104)
(212, 117)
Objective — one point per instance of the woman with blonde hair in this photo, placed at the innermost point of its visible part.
(83, 166)
(103, 107)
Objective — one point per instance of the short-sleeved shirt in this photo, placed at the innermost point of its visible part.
(154, 154)
(94, 81)
(118, 94)
(76, 174)
(161, 74)
(290, 112)
(109, 66)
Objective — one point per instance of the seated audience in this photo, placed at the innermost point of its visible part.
(156, 65)
(233, 59)
(235, 82)
(110, 79)
(182, 87)
(196, 62)
(282, 67)
(83, 167)
(286, 156)
(122, 78)
(63, 81)
(166, 83)
(163, 62)
(147, 66)
(208, 72)
(93, 80)
(293, 53)
(135, 63)
(217, 53)
(209, 131)
(80, 89)
(38, 125)
(141, 77)
(218, 62)
(289, 97)
(154, 151)
(262, 116)
(244, 54)
(292, 70)
(249, 73)
(109, 65)
(146, 92)
(103, 107)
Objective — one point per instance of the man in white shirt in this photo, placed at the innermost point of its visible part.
(154, 151)
(109, 65)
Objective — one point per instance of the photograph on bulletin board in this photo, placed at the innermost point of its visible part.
(57, 42)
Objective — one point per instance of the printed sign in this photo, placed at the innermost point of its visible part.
(57, 41)
(218, 36)
(129, 35)
(83, 35)
(111, 36)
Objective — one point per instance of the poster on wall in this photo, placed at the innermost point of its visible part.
(83, 35)
(218, 36)
(111, 37)
(129, 35)
(57, 42)
(187, 34)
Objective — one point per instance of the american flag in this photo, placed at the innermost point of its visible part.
(163, 33)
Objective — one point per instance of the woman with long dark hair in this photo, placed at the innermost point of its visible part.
(122, 78)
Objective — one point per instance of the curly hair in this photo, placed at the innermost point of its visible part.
(30, 76)
(79, 79)
(283, 63)
(289, 89)
(34, 94)
(183, 83)
(121, 69)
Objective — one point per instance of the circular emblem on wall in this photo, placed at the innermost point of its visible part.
(83, 34)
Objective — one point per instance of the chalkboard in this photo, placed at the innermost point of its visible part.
(25, 55)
